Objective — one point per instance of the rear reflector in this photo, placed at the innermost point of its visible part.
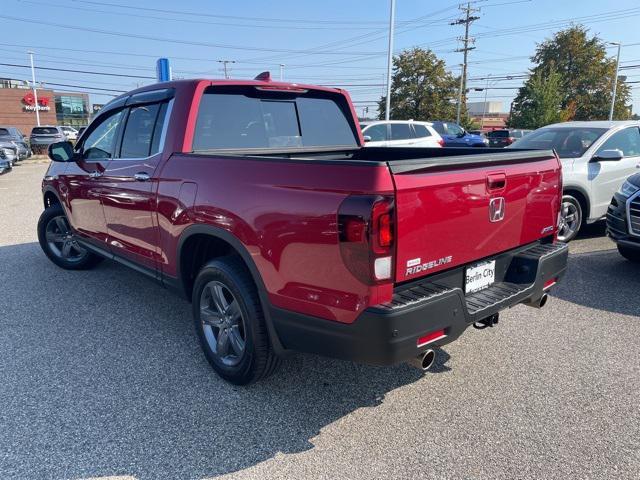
(382, 268)
(549, 283)
(431, 337)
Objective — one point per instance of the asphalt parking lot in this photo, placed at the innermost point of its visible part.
(101, 377)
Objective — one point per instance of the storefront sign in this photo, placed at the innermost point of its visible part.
(29, 103)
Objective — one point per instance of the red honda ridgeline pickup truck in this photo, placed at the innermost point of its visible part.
(257, 201)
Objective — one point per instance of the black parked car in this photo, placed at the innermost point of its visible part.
(623, 218)
(504, 138)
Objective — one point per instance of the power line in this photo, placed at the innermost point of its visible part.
(77, 71)
(175, 40)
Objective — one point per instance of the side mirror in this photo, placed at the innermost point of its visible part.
(612, 155)
(61, 152)
(462, 133)
(367, 138)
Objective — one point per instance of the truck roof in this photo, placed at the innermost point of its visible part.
(190, 83)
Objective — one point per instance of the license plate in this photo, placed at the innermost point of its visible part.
(479, 276)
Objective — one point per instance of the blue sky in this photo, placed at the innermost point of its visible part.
(329, 42)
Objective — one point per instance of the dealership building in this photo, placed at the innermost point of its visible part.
(18, 106)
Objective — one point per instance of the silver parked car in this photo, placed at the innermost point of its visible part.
(9, 152)
(46, 135)
(14, 136)
(596, 158)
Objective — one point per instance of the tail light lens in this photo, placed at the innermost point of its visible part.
(510, 140)
(441, 142)
(366, 229)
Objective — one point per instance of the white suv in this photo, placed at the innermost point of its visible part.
(596, 158)
(400, 133)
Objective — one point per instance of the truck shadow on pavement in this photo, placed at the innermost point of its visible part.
(101, 375)
(602, 280)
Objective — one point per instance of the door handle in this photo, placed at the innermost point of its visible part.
(142, 177)
(95, 174)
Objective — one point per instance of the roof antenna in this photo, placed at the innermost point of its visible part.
(264, 77)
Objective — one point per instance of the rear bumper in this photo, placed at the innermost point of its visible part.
(388, 334)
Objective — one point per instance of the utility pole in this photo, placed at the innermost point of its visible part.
(282, 72)
(392, 15)
(33, 85)
(225, 63)
(484, 107)
(615, 80)
(466, 40)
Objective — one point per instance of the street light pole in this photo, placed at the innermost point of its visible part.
(282, 72)
(615, 81)
(392, 15)
(33, 85)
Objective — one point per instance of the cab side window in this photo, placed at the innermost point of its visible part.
(101, 142)
(627, 140)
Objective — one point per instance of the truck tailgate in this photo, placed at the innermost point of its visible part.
(458, 210)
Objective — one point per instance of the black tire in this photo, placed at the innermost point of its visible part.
(79, 258)
(631, 254)
(257, 359)
(571, 209)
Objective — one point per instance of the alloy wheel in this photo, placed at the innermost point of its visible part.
(223, 323)
(570, 221)
(62, 241)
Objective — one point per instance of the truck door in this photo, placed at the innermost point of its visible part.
(131, 183)
(84, 181)
(607, 176)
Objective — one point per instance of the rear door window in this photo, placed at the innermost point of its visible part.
(401, 131)
(421, 131)
(245, 118)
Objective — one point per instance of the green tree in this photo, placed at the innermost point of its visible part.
(586, 77)
(539, 102)
(421, 88)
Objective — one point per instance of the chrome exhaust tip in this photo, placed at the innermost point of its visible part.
(541, 302)
(424, 361)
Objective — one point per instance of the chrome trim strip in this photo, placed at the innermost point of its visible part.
(632, 198)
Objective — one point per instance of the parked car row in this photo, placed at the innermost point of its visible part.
(13, 144)
(410, 133)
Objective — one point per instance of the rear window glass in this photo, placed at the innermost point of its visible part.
(499, 134)
(237, 119)
(44, 130)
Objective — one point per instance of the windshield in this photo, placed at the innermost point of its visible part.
(567, 142)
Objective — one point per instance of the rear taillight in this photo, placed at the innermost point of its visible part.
(366, 229)
(510, 140)
(441, 142)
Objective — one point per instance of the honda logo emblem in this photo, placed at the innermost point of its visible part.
(496, 209)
